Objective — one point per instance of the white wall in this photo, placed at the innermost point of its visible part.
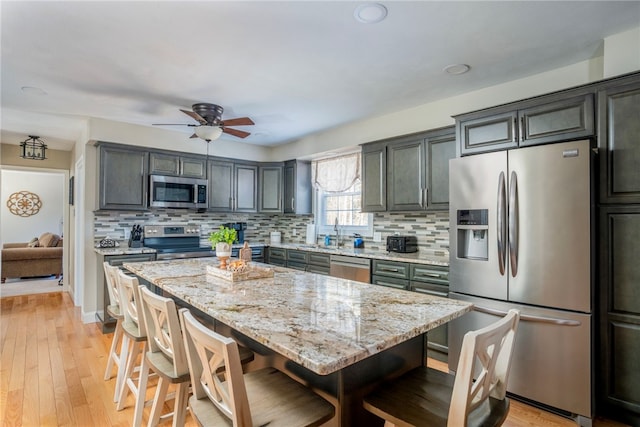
(49, 187)
(622, 53)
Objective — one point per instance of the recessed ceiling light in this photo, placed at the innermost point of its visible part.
(456, 69)
(32, 90)
(370, 13)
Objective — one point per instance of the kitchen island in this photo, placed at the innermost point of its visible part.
(337, 336)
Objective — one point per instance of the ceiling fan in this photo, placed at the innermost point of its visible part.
(210, 124)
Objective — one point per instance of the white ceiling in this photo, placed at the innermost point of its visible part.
(294, 67)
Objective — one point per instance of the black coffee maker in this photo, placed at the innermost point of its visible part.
(239, 227)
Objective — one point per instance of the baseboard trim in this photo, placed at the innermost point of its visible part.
(89, 317)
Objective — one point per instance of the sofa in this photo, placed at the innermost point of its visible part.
(42, 256)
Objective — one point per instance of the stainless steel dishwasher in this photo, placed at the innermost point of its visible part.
(352, 268)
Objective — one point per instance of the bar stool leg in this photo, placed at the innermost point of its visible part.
(122, 366)
(180, 405)
(114, 357)
(127, 381)
(142, 392)
(158, 401)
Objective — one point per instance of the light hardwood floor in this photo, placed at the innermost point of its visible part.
(52, 367)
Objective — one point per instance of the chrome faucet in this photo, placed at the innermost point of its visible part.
(337, 230)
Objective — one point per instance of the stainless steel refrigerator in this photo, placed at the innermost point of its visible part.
(521, 236)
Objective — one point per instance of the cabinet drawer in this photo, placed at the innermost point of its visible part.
(323, 260)
(391, 282)
(297, 256)
(277, 253)
(430, 274)
(297, 265)
(398, 270)
(430, 289)
(319, 269)
(118, 260)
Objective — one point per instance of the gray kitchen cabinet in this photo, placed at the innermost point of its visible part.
(276, 256)
(409, 173)
(432, 280)
(297, 187)
(393, 274)
(318, 263)
(552, 118)
(161, 163)
(123, 178)
(618, 370)
(233, 186)
(374, 179)
(270, 179)
(406, 160)
(619, 142)
(297, 259)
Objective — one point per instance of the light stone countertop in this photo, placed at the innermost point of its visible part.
(420, 257)
(322, 323)
(124, 250)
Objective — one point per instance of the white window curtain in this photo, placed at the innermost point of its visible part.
(336, 174)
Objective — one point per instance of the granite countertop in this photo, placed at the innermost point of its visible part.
(420, 257)
(124, 250)
(322, 323)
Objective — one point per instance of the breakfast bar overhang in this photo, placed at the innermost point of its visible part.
(339, 337)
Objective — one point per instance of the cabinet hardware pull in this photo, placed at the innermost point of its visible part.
(392, 270)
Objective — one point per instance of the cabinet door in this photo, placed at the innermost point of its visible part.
(123, 178)
(271, 185)
(374, 178)
(619, 143)
(297, 187)
(406, 176)
(164, 164)
(246, 188)
(489, 133)
(562, 120)
(440, 149)
(619, 323)
(192, 167)
(220, 186)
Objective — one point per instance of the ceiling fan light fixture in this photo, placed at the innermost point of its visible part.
(33, 148)
(208, 133)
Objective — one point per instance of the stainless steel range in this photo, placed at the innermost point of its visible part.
(176, 241)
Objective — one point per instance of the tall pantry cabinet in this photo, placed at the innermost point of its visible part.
(619, 233)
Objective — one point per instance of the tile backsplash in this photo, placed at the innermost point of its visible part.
(430, 228)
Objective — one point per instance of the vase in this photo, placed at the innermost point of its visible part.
(223, 252)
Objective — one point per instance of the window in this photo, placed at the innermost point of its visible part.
(338, 190)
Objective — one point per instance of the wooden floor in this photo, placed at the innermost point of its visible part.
(52, 367)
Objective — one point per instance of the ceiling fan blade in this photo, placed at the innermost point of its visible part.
(197, 117)
(236, 132)
(240, 121)
(173, 124)
(193, 136)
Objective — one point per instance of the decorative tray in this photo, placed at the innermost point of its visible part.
(246, 272)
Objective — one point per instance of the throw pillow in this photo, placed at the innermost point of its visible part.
(48, 240)
(33, 243)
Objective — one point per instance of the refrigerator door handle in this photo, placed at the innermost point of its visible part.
(513, 224)
(502, 223)
(528, 317)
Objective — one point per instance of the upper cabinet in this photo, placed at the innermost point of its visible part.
(270, 181)
(551, 118)
(619, 141)
(123, 177)
(174, 165)
(409, 173)
(297, 187)
(233, 186)
(374, 180)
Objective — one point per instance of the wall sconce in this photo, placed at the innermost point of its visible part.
(33, 148)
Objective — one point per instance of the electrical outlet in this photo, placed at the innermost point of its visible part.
(377, 236)
(294, 232)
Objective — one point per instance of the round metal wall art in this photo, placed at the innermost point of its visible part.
(24, 203)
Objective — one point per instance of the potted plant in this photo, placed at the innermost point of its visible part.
(221, 240)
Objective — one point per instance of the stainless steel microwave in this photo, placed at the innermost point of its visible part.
(177, 192)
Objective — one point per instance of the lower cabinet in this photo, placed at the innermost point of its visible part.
(433, 280)
(277, 256)
(108, 322)
(318, 263)
(393, 274)
(257, 253)
(297, 259)
(618, 369)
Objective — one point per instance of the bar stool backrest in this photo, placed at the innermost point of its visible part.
(163, 329)
(129, 296)
(110, 273)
